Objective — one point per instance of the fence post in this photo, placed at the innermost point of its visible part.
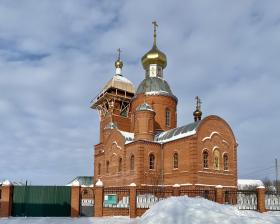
(176, 190)
(75, 199)
(132, 200)
(98, 199)
(219, 192)
(261, 199)
(6, 199)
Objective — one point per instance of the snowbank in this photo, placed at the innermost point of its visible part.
(187, 210)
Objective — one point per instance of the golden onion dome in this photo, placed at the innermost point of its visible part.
(197, 113)
(154, 56)
(118, 63)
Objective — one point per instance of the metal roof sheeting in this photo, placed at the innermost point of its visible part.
(177, 133)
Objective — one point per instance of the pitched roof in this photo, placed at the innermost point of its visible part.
(83, 181)
(177, 133)
(120, 82)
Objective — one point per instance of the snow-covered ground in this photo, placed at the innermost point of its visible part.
(52, 220)
(174, 210)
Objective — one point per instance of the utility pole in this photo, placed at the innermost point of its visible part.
(276, 174)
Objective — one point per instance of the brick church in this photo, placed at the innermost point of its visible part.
(140, 142)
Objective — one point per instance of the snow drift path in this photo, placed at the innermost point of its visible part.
(185, 210)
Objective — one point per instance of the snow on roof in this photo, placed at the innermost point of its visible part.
(177, 133)
(159, 92)
(144, 106)
(84, 181)
(129, 136)
(244, 184)
(120, 82)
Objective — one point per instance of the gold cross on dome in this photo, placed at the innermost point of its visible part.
(119, 53)
(155, 31)
(198, 103)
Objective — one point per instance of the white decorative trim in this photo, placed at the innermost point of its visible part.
(209, 185)
(115, 142)
(224, 141)
(210, 136)
(215, 147)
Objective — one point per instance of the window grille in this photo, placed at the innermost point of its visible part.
(167, 118)
(152, 161)
(226, 162)
(205, 159)
(132, 162)
(175, 160)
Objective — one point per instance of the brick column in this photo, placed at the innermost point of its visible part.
(6, 199)
(261, 199)
(132, 200)
(98, 199)
(219, 194)
(176, 190)
(75, 201)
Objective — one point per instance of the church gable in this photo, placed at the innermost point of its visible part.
(216, 145)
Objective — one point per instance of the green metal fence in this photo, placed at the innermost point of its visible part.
(41, 201)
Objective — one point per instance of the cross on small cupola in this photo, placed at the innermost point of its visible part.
(197, 113)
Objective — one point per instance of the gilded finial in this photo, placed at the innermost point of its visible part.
(197, 113)
(155, 32)
(119, 63)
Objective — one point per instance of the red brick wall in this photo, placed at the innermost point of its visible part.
(6, 201)
(225, 142)
(159, 104)
(115, 212)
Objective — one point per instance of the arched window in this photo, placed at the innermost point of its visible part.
(120, 165)
(99, 168)
(226, 162)
(132, 162)
(175, 160)
(167, 118)
(216, 159)
(107, 166)
(151, 161)
(205, 159)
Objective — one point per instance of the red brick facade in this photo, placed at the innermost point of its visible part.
(145, 146)
(113, 155)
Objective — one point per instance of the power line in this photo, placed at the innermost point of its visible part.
(259, 170)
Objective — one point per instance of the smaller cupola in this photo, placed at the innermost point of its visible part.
(197, 114)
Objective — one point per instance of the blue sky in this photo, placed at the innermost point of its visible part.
(55, 56)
